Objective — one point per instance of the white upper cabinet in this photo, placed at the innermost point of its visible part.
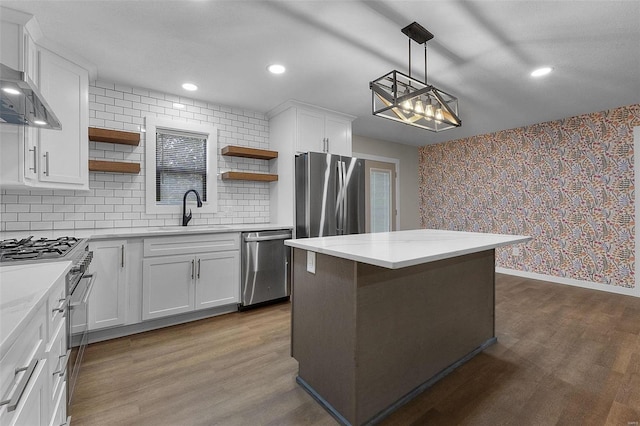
(321, 130)
(39, 158)
(64, 154)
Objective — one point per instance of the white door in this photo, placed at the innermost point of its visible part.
(108, 300)
(310, 131)
(167, 285)
(64, 153)
(218, 279)
(338, 134)
(380, 184)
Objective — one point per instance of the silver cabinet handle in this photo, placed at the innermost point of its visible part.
(46, 163)
(35, 160)
(63, 370)
(328, 146)
(122, 256)
(193, 267)
(198, 268)
(62, 307)
(15, 399)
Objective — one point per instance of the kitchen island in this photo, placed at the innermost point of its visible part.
(378, 318)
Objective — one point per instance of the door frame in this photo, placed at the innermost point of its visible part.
(397, 186)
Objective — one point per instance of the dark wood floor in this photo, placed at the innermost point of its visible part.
(565, 356)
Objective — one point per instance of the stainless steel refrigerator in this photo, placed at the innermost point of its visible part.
(330, 197)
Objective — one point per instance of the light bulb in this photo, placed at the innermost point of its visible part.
(429, 110)
(419, 108)
(407, 106)
(439, 115)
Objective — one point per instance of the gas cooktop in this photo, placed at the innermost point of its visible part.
(26, 249)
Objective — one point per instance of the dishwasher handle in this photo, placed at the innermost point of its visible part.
(284, 236)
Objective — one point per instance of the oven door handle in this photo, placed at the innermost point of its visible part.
(87, 290)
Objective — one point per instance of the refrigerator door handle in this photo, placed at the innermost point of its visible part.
(339, 198)
(345, 197)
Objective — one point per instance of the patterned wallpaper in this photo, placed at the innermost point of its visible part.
(569, 184)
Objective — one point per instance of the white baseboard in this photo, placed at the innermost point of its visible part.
(570, 281)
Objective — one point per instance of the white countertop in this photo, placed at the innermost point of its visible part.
(23, 289)
(149, 231)
(405, 248)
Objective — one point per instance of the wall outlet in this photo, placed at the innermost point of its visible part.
(515, 251)
(311, 262)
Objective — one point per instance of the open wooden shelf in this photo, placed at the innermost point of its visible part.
(114, 136)
(261, 177)
(113, 166)
(241, 151)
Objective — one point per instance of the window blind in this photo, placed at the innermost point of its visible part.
(181, 165)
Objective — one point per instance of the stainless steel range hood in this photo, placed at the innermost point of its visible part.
(21, 102)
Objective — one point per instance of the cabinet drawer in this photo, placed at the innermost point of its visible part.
(29, 347)
(192, 244)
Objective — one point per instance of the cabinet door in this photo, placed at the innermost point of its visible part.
(108, 300)
(64, 154)
(338, 134)
(31, 65)
(33, 408)
(167, 285)
(218, 279)
(310, 131)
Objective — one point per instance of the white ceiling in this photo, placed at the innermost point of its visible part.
(482, 53)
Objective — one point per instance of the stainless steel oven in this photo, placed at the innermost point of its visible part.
(79, 286)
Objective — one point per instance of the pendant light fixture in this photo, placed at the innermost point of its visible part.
(402, 98)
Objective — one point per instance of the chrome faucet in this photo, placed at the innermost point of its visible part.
(186, 218)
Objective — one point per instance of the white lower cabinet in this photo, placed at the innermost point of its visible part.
(108, 299)
(217, 279)
(24, 376)
(167, 286)
(205, 276)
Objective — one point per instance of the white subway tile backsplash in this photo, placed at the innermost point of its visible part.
(103, 84)
(117, 200)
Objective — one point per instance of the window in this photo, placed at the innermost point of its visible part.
(179, 157)
(380, 200)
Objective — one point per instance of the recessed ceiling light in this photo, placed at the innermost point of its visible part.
(177, 105)
(276, 69)
(541, 71)
(190, 87)
(10, 90)
(40, 122)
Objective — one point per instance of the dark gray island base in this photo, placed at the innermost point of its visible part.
(368, 339)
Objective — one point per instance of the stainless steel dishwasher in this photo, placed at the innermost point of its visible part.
(265, 267)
